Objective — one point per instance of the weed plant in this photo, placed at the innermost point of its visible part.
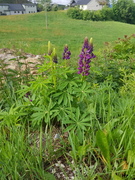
(96, 111)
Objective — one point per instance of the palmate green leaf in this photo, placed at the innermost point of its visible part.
(63, 85)
(70, 128)
(85, 120)
(102, 143)
(78, 113)
(68, 122)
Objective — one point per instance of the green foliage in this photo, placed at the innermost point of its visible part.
(124, 11)
(96, 113)
(40, 7)
(102, 142)
(55, 8)
(74, 13)
(105, 14)
(117, 58)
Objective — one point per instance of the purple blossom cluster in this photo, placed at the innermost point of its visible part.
(66, 53)
(85, 57)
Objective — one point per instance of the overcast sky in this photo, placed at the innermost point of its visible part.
(65, 2)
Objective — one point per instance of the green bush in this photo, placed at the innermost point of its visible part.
(55, 8)
(114, 61)
(100, 15)
(86, 15)
(97, 16)
(124, 11)
(48, 7)
(107, 13)
(74, 13)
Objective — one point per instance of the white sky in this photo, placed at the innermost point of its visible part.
(65, 2)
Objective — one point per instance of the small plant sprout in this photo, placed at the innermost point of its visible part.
(85, 57)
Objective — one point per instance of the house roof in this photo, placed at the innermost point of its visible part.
(83, 2)
(29, 4)
(16, 7)
(4, 4)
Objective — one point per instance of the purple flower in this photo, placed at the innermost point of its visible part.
(66, 53)
(85, 57)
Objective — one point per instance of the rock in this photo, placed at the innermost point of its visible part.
(17, 60)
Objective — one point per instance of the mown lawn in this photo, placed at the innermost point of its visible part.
(29, 32)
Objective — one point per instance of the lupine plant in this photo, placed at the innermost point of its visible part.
(97, 118)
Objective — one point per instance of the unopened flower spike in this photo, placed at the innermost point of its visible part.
(91, 41)
(49, 48)
(54, 56)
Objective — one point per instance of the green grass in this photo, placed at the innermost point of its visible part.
(28, 32)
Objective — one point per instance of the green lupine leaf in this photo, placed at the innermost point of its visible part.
(86, 119)
(71, 127)
(68, 122)
(60, 99)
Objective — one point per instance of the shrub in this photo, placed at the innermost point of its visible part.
(124, 11)
(86, 15)
(97, 16)
(107, 13)
(48, 7)
(74, 13)
(55, 8)
(116, 59)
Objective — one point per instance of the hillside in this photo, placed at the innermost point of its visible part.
(29, 32)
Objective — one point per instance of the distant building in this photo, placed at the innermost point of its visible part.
(14, 9)
(89, 4)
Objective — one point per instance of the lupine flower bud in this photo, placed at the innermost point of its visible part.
(85, 57)
(49, 48)
(91, 41)
(54, 56)
(66, 53)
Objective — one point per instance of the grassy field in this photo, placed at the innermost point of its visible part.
(29, 32)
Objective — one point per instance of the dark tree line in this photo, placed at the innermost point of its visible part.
(14, 1)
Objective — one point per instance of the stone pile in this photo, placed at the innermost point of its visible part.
(18, 60)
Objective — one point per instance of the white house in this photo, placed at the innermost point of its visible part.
(13, 9)
(30, 8)
(91, 4)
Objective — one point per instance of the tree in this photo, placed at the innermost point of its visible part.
(124, 11)
(45, 4)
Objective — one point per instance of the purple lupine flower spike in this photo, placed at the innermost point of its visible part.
(66, 53)
(85, 57)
